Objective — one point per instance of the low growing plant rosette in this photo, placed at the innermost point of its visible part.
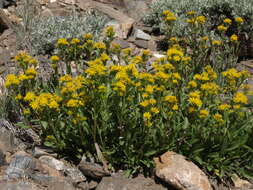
(111, 107)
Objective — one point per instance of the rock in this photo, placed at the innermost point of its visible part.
(61, 185)
(123, 44)
(120, 183)
(6, 3)
(19, 185)
(93, 184)
(7, 139)
(139, 34)
(5, 22)
(136, 9)
(124, 23)
(21, 166)
(75, 175)
(141, 43)
(83, 186)
(157, 55)
(52, 162)
(2, 158)
(92, 170)
(240, 183)
(122, 30)
(175, 170)
(42, 151)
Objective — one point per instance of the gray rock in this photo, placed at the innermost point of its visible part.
(139, 34)
(141, 43)
(7, 139)
(92, 170)
(21, 166)
(42, 151)
(120, 183)
(19, 185)
(83, 186)
(61, 185)
(53, 163)
(75, 174)
(136, 8)
(123, 44)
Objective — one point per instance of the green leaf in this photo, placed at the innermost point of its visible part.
(22, 125)
(150, 153)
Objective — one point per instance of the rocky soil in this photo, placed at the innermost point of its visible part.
(26, 165)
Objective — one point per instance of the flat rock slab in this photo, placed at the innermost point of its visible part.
(120, 183)
(182, 174)
(19, 185)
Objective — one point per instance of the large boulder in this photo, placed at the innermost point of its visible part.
(175, 170)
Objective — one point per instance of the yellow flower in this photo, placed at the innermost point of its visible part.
(152, 101)
(227, 21)
(222, 28)
(119, 86)
(223, 107)
(210, 88)
(109, 32)
(239, 97)
(195, 94)
(144, 103)
(239, 20)
(54, 58)
(102, 88)
(234, 38)
(126, 51)
(173, 51)
(31, 72)
(149, 89)
(154, 110)
(191, 109)
(147, 116)
(216, 42)
(62, 42)
(137, 60)
(201, 19)
(195, 101)
(218, 118)
(23, 77)
(192, 84)
(53, 105)
(99, 45)
(104, 57)
(203, 113)
(191, 13)
(75, 41)
(30, 96)
(73, 103)
(170, 99)
(87, 36)
(205, 38)
(175, 107)
(236, 107)
(11, 79)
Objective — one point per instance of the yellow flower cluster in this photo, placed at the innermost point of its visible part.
(42, 101)
(96, 68)
(169, 16)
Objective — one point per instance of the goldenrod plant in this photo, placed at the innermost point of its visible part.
(113, 103)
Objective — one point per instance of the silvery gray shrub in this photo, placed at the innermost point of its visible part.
(45, 31)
